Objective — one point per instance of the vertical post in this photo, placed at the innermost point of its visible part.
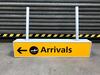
(27, 23)
(77, 21)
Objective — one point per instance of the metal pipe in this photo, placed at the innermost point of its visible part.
(77, 21)
(27, 23)
(49, 4)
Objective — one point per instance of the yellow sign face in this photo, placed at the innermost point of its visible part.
(45, 49)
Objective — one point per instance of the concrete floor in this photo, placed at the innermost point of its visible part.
(48, 66)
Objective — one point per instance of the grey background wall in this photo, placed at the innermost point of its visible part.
(49, 18)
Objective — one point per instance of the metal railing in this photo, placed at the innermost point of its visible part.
(49, 4)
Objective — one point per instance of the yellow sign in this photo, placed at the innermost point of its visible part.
(65, 48)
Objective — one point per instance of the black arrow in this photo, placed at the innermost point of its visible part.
(20, 51)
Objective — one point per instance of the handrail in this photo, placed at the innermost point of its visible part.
(49, 4)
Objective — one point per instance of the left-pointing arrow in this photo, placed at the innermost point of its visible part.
(20, 51)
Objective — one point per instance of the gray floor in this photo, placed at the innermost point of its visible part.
(48, 66)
